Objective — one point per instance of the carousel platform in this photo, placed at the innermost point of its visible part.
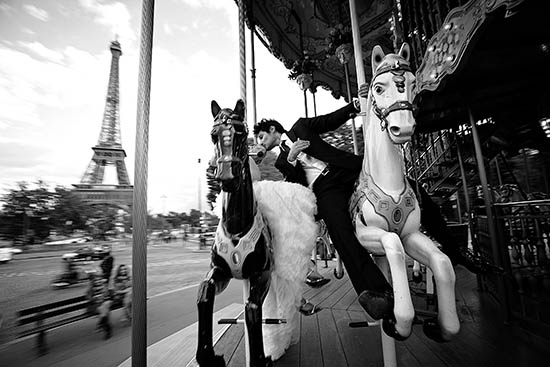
(327, 340)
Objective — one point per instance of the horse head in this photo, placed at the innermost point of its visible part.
(391, 93)
(229, 135)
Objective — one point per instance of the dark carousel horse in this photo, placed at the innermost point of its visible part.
(242, 246)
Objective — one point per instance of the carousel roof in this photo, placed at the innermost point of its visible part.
(493, 57)
(490, 55)
(291, 28)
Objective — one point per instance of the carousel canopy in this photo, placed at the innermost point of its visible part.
(493, 57)
(489, 55)
(292, 29)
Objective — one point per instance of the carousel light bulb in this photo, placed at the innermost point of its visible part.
(545, 124)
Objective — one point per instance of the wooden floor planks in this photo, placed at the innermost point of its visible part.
(326, 340)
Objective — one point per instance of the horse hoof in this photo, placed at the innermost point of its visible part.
(432, 330)
(388, 325)
(267, 362)
(210, 360)
(338, 275)
(317, 283)
(417, 277)
(377, 304)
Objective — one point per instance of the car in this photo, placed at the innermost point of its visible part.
(88, 253)
(6, 254)
(68, 241)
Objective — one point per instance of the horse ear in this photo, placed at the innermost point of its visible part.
(239, 108)
(215, 108)
(405, 51)
(377, 57)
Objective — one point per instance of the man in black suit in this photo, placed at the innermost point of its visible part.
(331, 173)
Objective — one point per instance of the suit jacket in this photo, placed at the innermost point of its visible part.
(310, 129)
(290, 172)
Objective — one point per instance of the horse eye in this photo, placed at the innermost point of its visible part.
(378, 89)
(238, 127)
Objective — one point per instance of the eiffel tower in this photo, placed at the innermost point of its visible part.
(108, 151)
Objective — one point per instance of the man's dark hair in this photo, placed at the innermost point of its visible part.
(265, 124)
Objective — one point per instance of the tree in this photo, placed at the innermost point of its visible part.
(32, 211)
(26, 212)
(194, 217)
(70, 212)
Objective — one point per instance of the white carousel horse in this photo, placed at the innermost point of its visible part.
(384, 208)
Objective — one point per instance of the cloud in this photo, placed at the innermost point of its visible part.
(27, 82)
(5, 8)
(228, 6)
(171, 29)
(38, 13)
(212, 4)
(28, 31)
(114, 16)
(39, 49)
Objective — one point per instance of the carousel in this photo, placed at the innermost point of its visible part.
(456, 101)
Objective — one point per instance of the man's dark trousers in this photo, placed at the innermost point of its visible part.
(333, 192)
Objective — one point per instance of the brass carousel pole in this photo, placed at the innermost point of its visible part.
(253, 65)
(498, 256)
(242, 70)
(313, 89)
(344, 53)
(463, 176)
(388, 344)
(139, 210)
(305, 102)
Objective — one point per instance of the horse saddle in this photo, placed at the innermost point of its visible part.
(394, 212)
(235, 255)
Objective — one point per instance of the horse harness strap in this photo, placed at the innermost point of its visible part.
(395, 213)
(398, 67)
(382, 113)
(235, 256)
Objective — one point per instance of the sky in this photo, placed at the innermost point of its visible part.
(54, 73)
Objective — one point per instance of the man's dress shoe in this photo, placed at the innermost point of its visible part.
(378, 304)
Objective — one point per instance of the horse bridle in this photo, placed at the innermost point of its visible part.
(227, 122)
(383, 113)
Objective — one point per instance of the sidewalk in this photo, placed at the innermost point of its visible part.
(170, 320)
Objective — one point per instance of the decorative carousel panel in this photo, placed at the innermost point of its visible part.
(447, 47)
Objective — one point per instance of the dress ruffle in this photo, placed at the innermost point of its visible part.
(289, 211)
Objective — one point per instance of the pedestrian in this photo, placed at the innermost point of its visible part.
(100, 303)
(107, 267)
(123, 290)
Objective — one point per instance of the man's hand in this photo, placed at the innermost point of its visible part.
(257, 152)
(297, 148)
(363, 90)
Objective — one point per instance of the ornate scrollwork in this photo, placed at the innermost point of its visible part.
(447, 47)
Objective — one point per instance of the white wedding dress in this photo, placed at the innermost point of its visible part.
(288, 210)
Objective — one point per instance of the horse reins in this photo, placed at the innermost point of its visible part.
(227, 119)
(382, 113)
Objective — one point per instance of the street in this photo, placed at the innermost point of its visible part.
(173, 273)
